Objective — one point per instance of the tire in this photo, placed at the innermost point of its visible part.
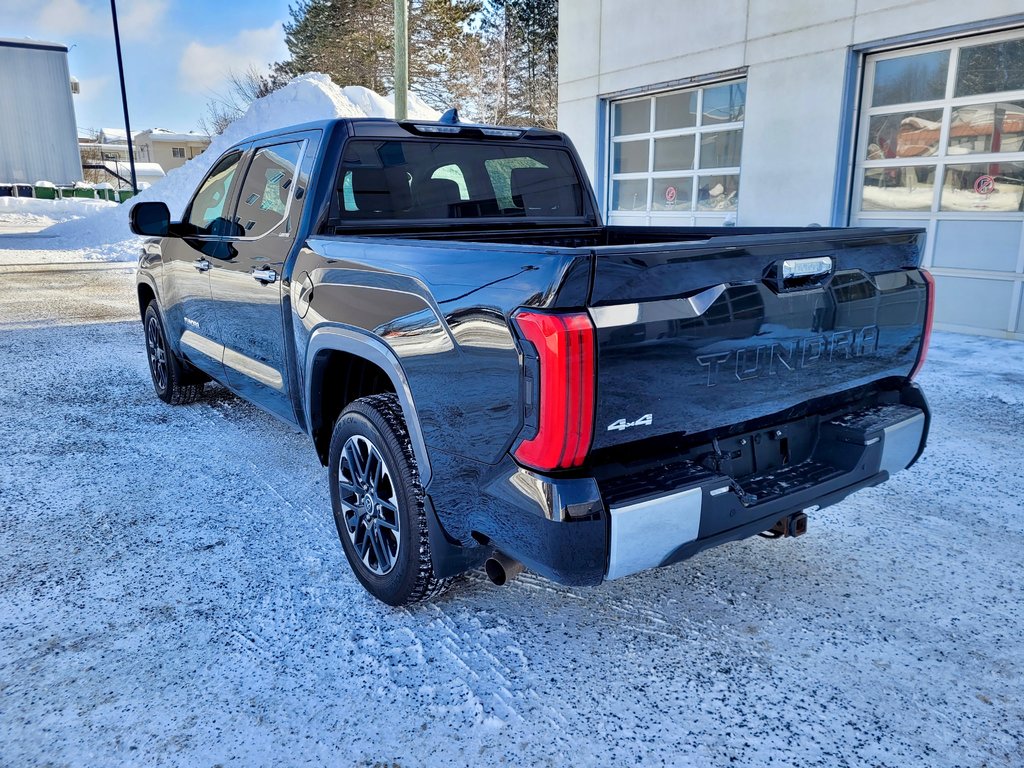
(378, 503)
(173, 382)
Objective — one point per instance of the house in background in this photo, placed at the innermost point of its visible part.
(105, 154)
(169, 149)
(792, 112)
(38, 139)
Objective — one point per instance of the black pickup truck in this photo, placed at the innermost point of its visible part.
(493, 376)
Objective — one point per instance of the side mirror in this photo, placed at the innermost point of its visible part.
(151, 219)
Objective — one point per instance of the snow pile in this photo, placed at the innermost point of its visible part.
(306, 98)
(33, 210)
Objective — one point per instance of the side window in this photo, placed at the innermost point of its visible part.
(208, 203)
(263, 202)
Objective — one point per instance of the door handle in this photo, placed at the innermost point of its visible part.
(264, 275)
(201, 265)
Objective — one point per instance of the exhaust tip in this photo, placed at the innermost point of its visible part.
(501, 568)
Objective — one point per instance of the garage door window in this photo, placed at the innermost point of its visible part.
(676, 156)
(930, 109)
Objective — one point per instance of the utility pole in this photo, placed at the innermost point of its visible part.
(401, 58)
(124, 97)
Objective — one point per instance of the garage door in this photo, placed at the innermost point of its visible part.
(941, 145)
(674, 158)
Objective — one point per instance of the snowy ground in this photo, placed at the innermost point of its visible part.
(172, 592)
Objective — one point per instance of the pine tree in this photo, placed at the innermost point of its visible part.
(495, 59)
(521, 67)
(440, 42)
(350, 40)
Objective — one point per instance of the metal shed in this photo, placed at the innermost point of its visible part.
(38, 137)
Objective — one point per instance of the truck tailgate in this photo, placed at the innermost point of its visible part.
(700, 336)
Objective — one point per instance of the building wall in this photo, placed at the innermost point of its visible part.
(803, 62)
(38, 137)
(161, 152)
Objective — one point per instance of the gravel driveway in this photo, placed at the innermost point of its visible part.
(172, 592)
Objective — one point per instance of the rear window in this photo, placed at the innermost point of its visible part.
(432, 180)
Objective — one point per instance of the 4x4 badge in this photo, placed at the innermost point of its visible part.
(644, 421)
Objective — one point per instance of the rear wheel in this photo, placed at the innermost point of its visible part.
(378, 503)
(172, 381)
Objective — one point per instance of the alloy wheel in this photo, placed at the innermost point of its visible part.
(369, 503)
(157, 353)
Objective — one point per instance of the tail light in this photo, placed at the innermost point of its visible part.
(564, 386)
(926, 337)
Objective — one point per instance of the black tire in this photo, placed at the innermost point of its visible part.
(402, 573)
(173, 382)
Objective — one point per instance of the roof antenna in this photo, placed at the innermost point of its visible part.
(451, 116)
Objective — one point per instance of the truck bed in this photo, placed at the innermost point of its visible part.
(695, 334)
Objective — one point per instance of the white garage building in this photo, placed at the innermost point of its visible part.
(767, 112)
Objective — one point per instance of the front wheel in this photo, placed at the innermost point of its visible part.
(378, 502)
(170, 378)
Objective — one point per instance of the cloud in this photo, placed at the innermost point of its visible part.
(140, 19)
(91, 88)
(69, 18)
(136, 19)
(205, 67)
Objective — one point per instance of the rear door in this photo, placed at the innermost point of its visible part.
(704, 336)
(247, 282)
(186, 298)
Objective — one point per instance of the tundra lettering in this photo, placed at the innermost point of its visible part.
(771, 359)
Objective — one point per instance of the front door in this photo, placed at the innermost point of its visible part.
(247, 286)
(187, 301)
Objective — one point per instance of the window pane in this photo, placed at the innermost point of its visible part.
(500, 172)
(428, 179)
(629, 195)
(904, 134)
(987, 128)
(717, 193)
(631, 117)
(208, 204)
(454, 173)
(677, 110)
(984, 187)
(991, 68)
(267, 187)
(904, 188)
(724, 104)
(674, 154)
(720, 149)
(921, 77)
(630, 157)
(673, 194)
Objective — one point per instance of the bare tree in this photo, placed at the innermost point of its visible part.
(241, 90)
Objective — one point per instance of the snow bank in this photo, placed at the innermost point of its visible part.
(28, 213)
(306, 98)
(58, 210)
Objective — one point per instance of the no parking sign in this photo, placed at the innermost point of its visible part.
(670, 194)
(985, 185)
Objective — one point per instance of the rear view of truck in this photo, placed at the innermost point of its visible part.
(719, 387)
(490, 374)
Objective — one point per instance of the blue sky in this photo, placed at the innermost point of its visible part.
(177, 53)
